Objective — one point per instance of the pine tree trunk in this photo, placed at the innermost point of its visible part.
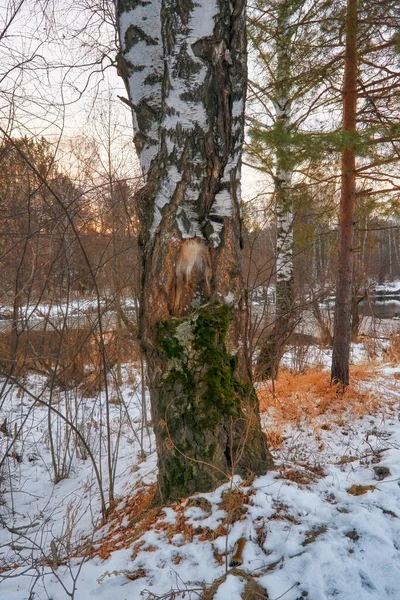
(342, 322)
(272, 350)
(184, 67)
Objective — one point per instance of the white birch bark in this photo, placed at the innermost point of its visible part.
(168, 60)
(284, 171)
(141, 66)
(191, 92)
(284, 203)
(272, 350)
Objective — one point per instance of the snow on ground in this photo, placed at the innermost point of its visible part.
(387, 286)
(324, 524)
(302, 356)
(79, 307)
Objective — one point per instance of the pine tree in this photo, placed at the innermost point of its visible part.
(342, 324)
(371, 134)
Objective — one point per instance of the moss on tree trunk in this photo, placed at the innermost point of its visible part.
(204, 428)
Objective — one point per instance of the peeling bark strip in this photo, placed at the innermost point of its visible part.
(184, 66)
(342, 323)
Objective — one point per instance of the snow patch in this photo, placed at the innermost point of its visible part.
(232, 587)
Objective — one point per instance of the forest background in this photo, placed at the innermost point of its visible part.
(69, 224)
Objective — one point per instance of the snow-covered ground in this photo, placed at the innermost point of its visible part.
(324, 524)
(388, 287)
(80, 306)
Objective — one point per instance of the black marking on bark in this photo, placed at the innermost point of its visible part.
(124, 67)
(185, 67)
(152, 79)
(145, 115)
(134, 34)
(216, 218)
(204, 47)
(183, 8)
(127, 5)
(184, 220)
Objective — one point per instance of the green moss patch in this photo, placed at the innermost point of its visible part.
(197, 398)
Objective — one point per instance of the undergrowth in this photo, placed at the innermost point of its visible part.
(392, 352)
(307, 397)
(133, 516)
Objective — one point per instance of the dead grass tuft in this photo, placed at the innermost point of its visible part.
(125, 524)
(313, 534)
(131, 518)
(282, 513)
(302, 476)
(304, 397)
(233, 503)
(200, 502)
(275, 439)
(252, 591)
(360, 490)
(392, 352)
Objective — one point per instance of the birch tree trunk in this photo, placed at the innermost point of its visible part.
(342, 322)
(271, 352)
(184, 66)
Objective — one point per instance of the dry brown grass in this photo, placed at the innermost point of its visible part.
(233, 503)
(252, 591)
(392, 353)
(71, 357)
(307, 396)
(131, 518)
(126, 522)
(302, 476)
(360, 490)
